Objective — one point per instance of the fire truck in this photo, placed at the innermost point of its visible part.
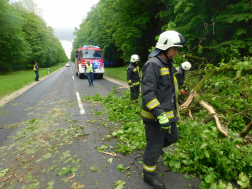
(92, 53)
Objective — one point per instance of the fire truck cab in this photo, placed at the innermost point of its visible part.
(92, 53)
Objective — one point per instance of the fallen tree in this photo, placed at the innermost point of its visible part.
(243, 90)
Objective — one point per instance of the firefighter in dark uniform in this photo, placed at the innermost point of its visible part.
(185, 66)
(180, 75)
(159, 103)
(133, 76)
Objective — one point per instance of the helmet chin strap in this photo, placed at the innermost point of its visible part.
(165, 53)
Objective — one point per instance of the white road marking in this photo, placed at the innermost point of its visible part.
(82, 111)
(73, 77)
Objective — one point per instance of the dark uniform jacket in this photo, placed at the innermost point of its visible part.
(159, 90)
(133, 74)
(180, 76)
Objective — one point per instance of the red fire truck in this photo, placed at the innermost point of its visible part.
(92, 53)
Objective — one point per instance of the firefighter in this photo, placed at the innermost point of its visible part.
(133, 76)
(89, 71)
(36, 69)
(185, 66)
(180, 75)
(159, 102)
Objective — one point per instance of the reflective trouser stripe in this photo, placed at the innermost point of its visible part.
(137, 83)
(129, 81)
(149, 168)
(152, 104)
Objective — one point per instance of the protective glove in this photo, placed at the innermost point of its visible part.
(164, 123)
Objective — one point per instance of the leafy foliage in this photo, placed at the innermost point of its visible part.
(123, 28)
(131, 134)
(25, 38)
(120, 28)
(201, 149)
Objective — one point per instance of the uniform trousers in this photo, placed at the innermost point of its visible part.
(156, 140)
(134, 92)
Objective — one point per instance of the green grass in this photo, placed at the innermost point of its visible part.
(16, 80)
(119, 73)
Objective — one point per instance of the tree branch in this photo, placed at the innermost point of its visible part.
(246, 130)
(236, 115)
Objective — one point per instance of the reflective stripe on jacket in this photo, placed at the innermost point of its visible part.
(133, 76)
(159, 90)
(89, 68)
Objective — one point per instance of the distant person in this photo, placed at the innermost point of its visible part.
(133, 76)
(89, 71)
(36, 69)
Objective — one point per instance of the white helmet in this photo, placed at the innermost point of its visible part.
(186, 65)
(134, 58)
(169, 39)
(166, 40)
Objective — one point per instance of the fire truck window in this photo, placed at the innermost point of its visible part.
(97, 54)
(92, 54)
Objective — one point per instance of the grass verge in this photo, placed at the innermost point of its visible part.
(16, 80)
(119, 73)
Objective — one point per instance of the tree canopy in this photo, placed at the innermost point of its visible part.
(126, 27)
(25, 38)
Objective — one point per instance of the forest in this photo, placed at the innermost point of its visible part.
(216, 114)
(125, 27)
(26, 38)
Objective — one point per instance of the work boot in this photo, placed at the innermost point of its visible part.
(155, 182)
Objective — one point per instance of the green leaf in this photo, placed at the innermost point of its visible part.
(188, 176)
(177, 165)
(3, 172)
(120, 167)
(119, 184)
(203, 145)
(110, 160)
(208, 179)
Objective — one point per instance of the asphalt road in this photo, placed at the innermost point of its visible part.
(49, 141)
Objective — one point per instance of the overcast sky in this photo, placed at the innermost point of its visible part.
(63, 16)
